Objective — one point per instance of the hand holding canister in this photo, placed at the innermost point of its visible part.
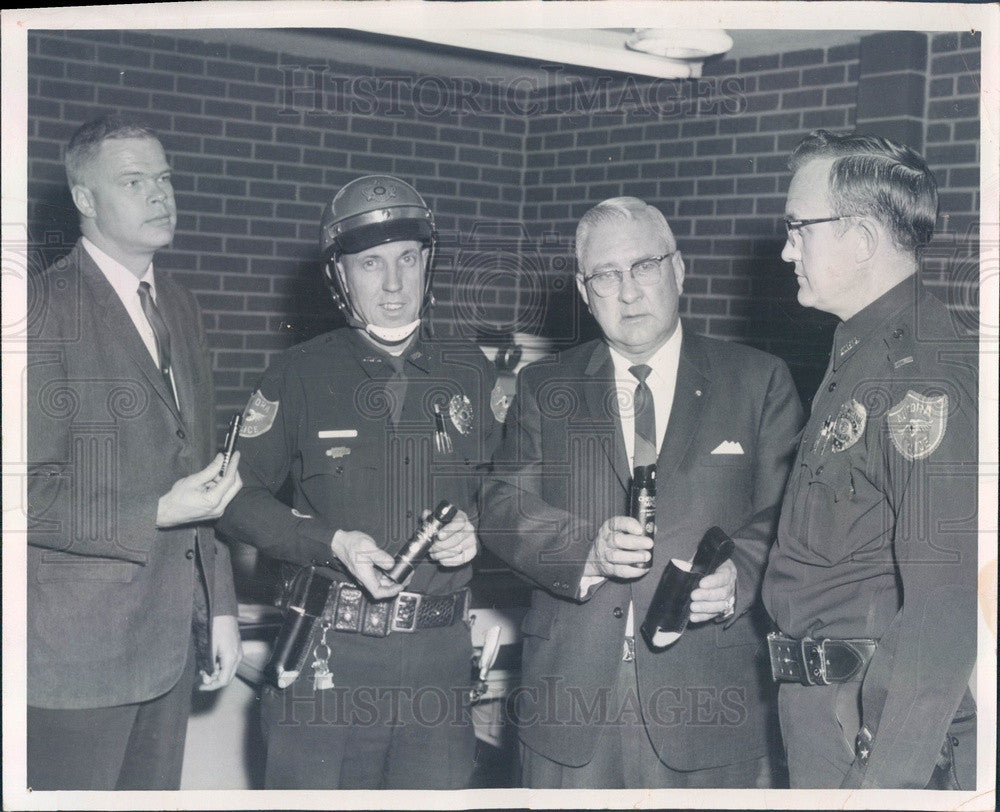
(420, 542)
(670, 608)
(642, 504)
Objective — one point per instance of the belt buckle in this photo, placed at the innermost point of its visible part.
(814, 660)
(405, 610)
(785, 658)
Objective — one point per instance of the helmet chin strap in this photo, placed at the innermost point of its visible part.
(392, 336)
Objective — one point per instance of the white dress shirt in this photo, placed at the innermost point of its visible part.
(126, 286)
(662, 380)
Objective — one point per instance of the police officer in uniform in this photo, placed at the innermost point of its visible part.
(872, 581)
(373, 425)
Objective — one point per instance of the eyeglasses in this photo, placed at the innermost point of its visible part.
(645, 272)
(796, 225)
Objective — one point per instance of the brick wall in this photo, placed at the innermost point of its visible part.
(256, 153)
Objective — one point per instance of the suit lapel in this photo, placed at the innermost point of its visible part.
(602, 403)
(691, 393)
(118, 326)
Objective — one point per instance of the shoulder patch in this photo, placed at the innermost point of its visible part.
(917, 424)
(258, 416)
(499, 403)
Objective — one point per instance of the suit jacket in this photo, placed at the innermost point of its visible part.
(110, 597)
(562, 470)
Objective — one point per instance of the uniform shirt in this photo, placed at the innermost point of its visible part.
(323, 416)
(877, 536)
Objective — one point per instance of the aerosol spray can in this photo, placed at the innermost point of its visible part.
(421, 540)
(642, 502)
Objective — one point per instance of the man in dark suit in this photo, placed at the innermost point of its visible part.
(128, 591)
(598, 707)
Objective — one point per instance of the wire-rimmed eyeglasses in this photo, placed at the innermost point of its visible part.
(645, 272)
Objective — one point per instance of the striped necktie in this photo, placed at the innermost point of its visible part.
(160, 332)
(645, 418)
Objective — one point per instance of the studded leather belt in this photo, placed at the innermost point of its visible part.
(348, 609)
(819, 662)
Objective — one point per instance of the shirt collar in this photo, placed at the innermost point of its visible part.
(373, 358)
(660, 362)
(119, 277)
(852, 333)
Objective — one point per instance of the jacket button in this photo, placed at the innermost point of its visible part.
(617, 611)
(406, 460)
(897, 333)
(180, 433)
(189, 554)
(832, 386)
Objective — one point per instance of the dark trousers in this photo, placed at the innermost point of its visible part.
(126, 747)
(625, 759)
(397, 717)
(818, 726)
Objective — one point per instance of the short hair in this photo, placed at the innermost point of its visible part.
(878, 178)
(615, 210)
(86, 141)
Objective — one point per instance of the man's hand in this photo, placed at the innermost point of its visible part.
(619, 549)
(200, 497)
(456, 542)
(227, 651)
(366, 562)
(715, 595)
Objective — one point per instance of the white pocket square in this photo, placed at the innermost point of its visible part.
(728, 447)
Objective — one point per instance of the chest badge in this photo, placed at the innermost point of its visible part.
(258, 416)
(460, 412)
(841, 432)
(917, 424)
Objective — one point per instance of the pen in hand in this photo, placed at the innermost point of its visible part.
(232, 434)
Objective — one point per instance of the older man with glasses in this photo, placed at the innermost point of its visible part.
(599, 706)
(872, 581)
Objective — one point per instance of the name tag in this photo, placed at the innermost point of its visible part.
(337, 434)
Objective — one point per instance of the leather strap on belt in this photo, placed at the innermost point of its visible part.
(348, 609)
(819, 662)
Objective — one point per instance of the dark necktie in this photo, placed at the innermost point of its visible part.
(396, 387)
(645, 418)
(160, 332)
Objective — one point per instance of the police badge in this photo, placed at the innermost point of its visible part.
(460, 412)
(848, 426)
(917, 424)
(258, 416)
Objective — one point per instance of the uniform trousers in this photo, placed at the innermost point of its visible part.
(818, 726)
(397, 716)
(139, 746)
(625, 758)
